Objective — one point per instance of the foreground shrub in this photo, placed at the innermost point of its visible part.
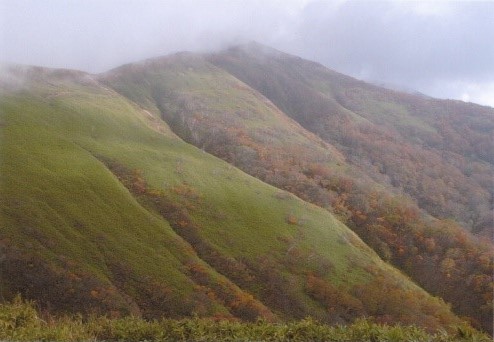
(19, 321)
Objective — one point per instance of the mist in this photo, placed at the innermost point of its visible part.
(440, 48)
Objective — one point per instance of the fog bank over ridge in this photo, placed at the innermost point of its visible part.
(438, 48)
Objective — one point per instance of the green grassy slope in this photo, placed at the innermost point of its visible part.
(62, 208)
(105, 210)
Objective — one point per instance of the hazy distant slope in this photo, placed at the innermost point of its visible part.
(104, 209)
(439, 152)
(187, 83)
(207, 107)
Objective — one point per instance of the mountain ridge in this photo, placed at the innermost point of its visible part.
(208, 216)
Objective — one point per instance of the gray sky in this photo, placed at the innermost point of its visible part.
(441, 48)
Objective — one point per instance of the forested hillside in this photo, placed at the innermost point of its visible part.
(435, 151)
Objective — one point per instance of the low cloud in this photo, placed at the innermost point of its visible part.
(482, 93)
(413, 44)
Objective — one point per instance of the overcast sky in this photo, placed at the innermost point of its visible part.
(441, 48)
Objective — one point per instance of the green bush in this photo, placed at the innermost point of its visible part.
(19, 321)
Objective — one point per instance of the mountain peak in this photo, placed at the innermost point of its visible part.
(259, 51)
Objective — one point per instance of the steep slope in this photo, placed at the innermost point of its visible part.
(204, 105)
(73, 237)
(103, 209)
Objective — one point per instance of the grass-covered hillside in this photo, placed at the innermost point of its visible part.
(307, 142)
(104, 210)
